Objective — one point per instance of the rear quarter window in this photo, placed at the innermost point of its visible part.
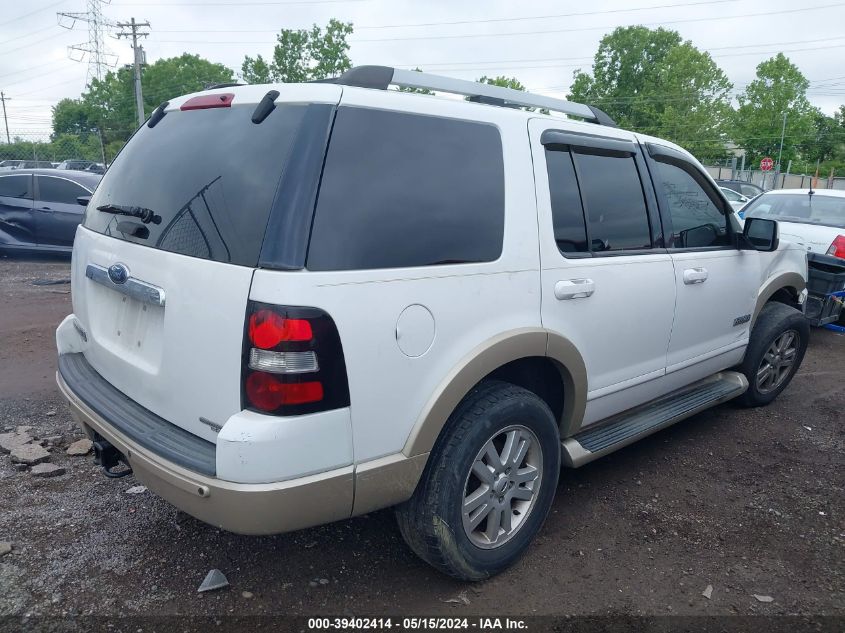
(402, 190)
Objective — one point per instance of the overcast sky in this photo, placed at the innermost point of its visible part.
(539, 42)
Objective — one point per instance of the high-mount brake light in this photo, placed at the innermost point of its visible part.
(205, 102)
(837, 248)
(292, 361)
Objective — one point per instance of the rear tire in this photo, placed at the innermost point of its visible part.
(777, 346)
(488, 485)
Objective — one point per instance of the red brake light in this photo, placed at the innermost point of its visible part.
(204, 102)
(837, 248)
(267, 329)
(265, 392)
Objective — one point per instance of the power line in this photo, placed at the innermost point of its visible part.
(487, 20)
(602, 28)
(26, 15)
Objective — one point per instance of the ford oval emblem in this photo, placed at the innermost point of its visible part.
(118, 273)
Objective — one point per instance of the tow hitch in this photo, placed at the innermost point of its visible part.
(109, 458)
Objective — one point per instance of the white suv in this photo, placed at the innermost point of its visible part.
(298, 303)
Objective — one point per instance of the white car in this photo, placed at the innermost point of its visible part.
(736, 199)
(297, 303)
(812, 218)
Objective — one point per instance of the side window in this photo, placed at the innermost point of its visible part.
(617, 218)
(15, 187)
(567, 212)
(696, 220)
(59, 190)
(404, 190)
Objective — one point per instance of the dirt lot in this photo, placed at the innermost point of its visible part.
(749, 502)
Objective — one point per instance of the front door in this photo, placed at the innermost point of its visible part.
(716, 282)
(607, 285)
(17, 222)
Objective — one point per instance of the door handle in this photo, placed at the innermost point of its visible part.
(695, 276)
(574, 289)
(46, 210)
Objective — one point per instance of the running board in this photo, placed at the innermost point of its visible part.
(629, 426)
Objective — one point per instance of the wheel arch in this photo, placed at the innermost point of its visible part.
(783, 288)
(543, 362)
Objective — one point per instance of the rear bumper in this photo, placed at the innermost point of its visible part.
(267, 508)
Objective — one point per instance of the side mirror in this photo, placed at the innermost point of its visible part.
(83, 200)
(760, 234)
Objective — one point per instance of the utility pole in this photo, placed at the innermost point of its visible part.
(138, 51)
(4, 99)
(780, 151)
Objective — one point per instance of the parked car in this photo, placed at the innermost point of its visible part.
(96, 168)
(747, 189)
(39, 211)
(298, 303)
(10, 164)
(736, 199)
(75, 164)
(813, 218)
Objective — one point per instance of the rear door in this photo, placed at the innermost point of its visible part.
(607, 285)
(17, 222)
(166, 328)
(57, 213)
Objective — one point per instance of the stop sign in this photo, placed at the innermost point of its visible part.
(766, 164)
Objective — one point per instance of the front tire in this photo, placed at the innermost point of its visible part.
(778, 343)
(488, 485)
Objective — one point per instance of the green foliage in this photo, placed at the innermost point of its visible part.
(419, 91)
(779, 88)
(108, 104)
(303, 55)
(502, 81)
(652, 81)
(60, 147)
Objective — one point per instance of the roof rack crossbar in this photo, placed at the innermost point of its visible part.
(381, 77)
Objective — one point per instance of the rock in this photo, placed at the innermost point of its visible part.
(246, 594)
(80, 447)
(5, 547)
(30, 454)
(47, 470)
(53, 439)
(461, 598)
(213, 580)
(50, 413)
(312, 583)
(763, 598)
(136, 490)
(20, 467)
(708, 592)
(13, 440)
(323, 581)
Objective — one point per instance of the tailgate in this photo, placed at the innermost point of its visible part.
(181, 360)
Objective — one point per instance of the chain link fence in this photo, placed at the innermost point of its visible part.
(771, 180)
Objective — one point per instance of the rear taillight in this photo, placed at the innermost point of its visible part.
(292, 361)
(837, 248)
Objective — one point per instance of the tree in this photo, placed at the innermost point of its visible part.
(108, 104)
(779, 89)
(303, 55)
(419, 91)
(652, 81)
(502, 81)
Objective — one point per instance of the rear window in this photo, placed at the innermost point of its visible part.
(210, 176)
(404, 190)
(801, 208)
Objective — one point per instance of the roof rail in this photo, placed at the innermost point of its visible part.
(381, 77)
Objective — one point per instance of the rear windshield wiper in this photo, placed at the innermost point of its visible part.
(145, 215)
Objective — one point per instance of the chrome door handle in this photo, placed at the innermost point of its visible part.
(695, 276)
(574, 289)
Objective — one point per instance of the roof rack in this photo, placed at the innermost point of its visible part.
(381, 77)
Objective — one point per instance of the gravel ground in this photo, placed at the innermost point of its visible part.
(745, 501)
